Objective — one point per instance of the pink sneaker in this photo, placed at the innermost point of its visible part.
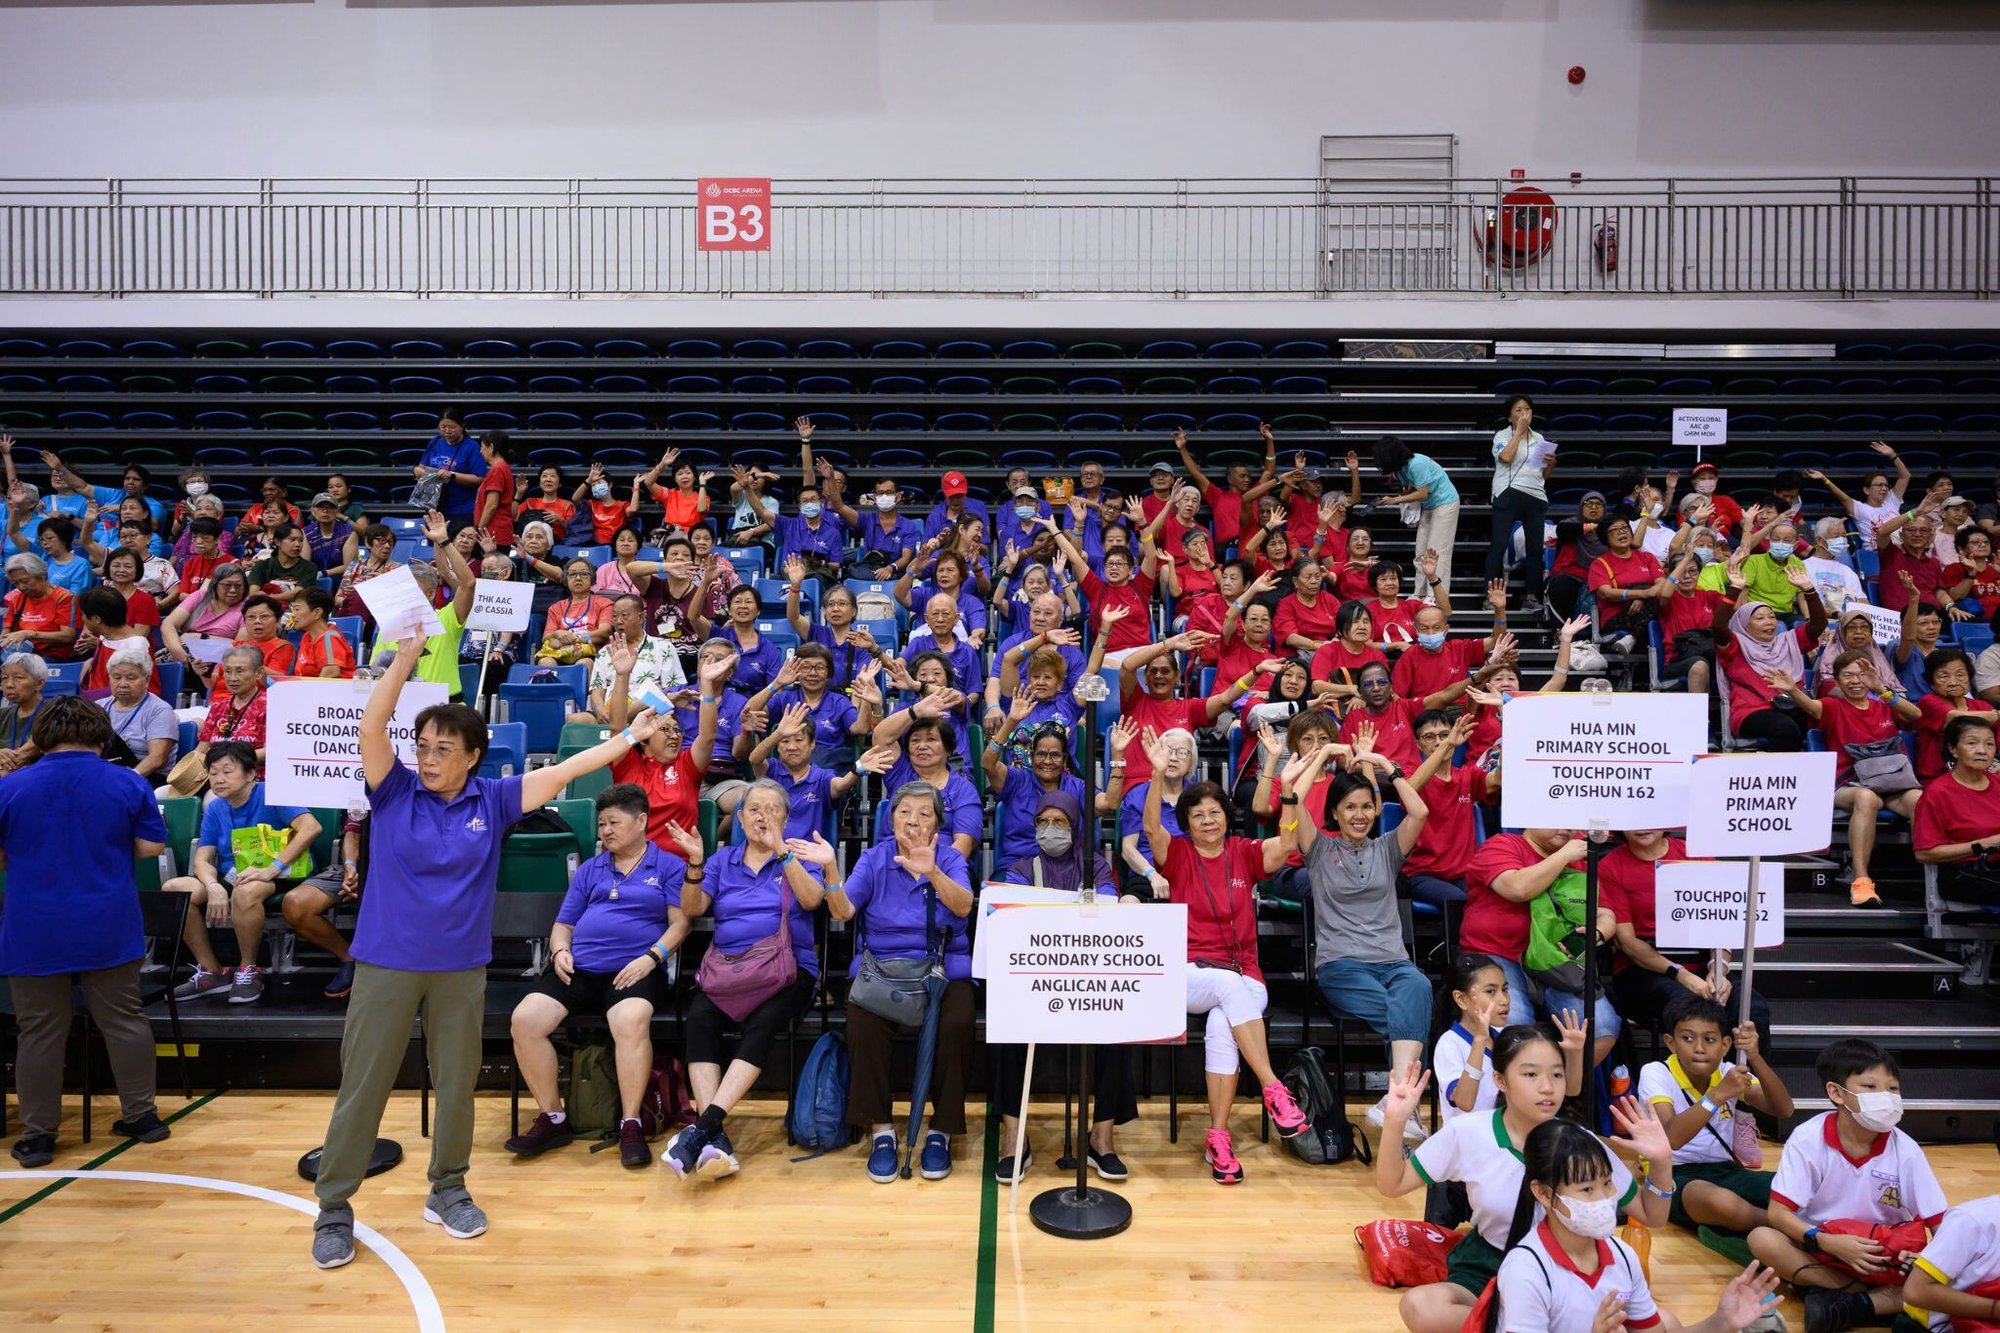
(1220, 1154)
(1749, 1149)
(1285, 1112)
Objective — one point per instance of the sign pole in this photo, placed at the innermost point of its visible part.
(1599, 842)
(1021, 1130)
(1749, 941)
(479, 690)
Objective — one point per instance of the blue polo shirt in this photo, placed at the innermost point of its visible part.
(811, 796)
(72, 900)
(847, 658)
(1132, 819)
(1073, 662)
(728, 726)
(961, 800)
(219, 819)
(795, 536)
(873, 536)
(611, 932)
(830, 720)
(941, 518)
(73, 576)
(971, 611)
(746, 901)
(462, 457)
(964, 658)
(1019, 796)
(892, 901)
(754, 666)
(433, 868)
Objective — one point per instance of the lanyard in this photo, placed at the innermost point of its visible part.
(1228, 923)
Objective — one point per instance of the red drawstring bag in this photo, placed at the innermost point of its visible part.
(1989, 1289)
(1475, 1322)
(1404, 1254)
(1895, 1239)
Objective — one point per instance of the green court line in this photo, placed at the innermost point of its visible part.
(989, 1226)
(93, 1164)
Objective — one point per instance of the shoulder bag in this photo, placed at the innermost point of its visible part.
(739, 982)
(893, 988)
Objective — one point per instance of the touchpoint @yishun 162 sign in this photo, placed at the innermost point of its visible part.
(1610, 761)
(733, 213)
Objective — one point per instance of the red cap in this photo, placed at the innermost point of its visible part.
(1706, 466)
(954, 483)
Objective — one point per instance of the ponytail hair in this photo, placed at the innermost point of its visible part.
(1558, 1152)
(1459, 976)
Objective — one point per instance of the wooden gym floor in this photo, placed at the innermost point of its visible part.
(577, 1242)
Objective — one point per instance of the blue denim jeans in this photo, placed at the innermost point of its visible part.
(1609, 1024)
(1392, 998)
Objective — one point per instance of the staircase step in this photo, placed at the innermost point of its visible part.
(1826, 966)
(1967, 1020)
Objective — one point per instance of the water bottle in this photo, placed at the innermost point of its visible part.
(1596, 685)
(1640, 1237)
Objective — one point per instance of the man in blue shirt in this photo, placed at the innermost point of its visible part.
(458, 456)
(945, 513)
(224, 894)
(72, 919)
(888, 541)
(131, 485)
(424, 939)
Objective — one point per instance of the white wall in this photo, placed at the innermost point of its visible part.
(991, 87)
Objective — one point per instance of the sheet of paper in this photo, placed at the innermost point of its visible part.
(204, 648)
(397, 602)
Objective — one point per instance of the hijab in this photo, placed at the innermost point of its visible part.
(1780, 654)
(1064, 873)
(1885, 671)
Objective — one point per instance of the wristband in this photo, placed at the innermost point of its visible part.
(1810, 1242)
(1117, 766)
(786, 859)
(1288, 800)
(1474, 1074)
(659, 955)
(1655, 1190)
(628, 738)
(711, 698)
(1709, 1105)
(1244, 682)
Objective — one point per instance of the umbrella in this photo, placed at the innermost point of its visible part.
(920, 1081)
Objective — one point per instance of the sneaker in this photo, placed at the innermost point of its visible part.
(1106, 1164)
(1623, 643)
(333, 1238)
(718, 1156)
(1285, 1112)
(1006, 1171)
(455, 1211)
(632, 1149)
(1861, 893)
(1833, 1311)
(1729, 1244)
(543, 1135)
(683, 1154)
(249, 985)
(35, 1149)
(882, 1160)
(1413, 1128)
(342, 984)
(1531, 606)
(204, 984)
(147, 1128)
(1769, 1322)
(1220, 1154)
(935, 1160)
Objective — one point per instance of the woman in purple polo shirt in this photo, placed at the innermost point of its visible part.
(747, 886)
(424, 939)
(912, 897)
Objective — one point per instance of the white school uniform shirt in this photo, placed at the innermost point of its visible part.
(1475, 1151)
(1448, 1062)
(1818, 1180)
(1657, 1084)
(1541, 1290)
(1964, 1253)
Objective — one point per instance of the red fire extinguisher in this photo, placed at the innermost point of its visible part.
(1604, 240)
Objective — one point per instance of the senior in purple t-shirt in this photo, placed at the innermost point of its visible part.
(891, 902)
(429, 905)
(746, 905)
(611, 931)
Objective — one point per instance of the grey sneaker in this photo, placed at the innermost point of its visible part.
(333, 1237)
(455, 1211)
(203, 984)
(248, 987)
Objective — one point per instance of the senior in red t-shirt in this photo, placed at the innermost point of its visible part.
(1510, 871)
(1959, 815)
(1147, 695)
(1120, 587)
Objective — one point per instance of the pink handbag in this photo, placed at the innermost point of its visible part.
(738, 982)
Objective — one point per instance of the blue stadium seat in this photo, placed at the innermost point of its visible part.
(173, 676)
(1234, 384)
(85, 384)
(492, 349)
(1296, 385)
(1577, 384)
(1094, 386)
(506, 743)
(894, 456)
(1686, 386)
(418, 349)
(683, 384)
(1234, 349)
(1520, 384)
(619, 421)
(540, 710)
(624, 456)
(190, 733)
(351, 420)
(897, 421)
(412, 420)
(1096, 421)
(964, 349)
(64, 677)
(826, 349)
(1169, 349)
(761, 386)
(17, 348)
(965, 384)
(964, 422)
(1920, 352)
(832, 421)
(886, 385)
(289, 349)
(354, 347)
(621, 384)
(221, 419)
(152, 349)
(491, 383)
(1863, 352)
(695, 349)
(1029, 349)
(823, 386)
(550, 420)
(623, 347)
(697, 421)
(760, 349)
(1300, 349)
(1575, 421)
(747, 561)
(759, 421)
(424, 384)
(1027, 458)
(1232, 423)
(22, 383)
(1975, 352)
(779, 632)
(558, 349)
(1165, 423)
(149, 419)
(490, 419)
(555, 384)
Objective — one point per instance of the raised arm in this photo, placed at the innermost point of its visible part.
(456, 572)
(378, 752)
(1187, 460)
(1158, 840)
(1846, 500)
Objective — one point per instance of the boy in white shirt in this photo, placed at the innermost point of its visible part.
(1698, 1092)
(1853, 1166)
(1957, 1277)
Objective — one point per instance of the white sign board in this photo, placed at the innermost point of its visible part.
(1702, 427)
(1103, 976)
(313, 739)
(1613, 761)
(994, 896)
(499, 604)
(1699, 905)
(397, 602)
(1887, 624)
(1760, 804)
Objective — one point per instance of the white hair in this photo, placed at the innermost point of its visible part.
(545, 529)
(130, 657)
(31, 565)
(29, 663)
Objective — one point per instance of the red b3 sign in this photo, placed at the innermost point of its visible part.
(735, 213)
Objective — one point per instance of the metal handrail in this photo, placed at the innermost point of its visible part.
(581, 237)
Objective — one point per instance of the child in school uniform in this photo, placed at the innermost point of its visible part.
(1955, 1282)
(1700, 1094)
(1852, 1167)
(1476, 990)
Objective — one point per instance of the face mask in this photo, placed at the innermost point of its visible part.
(1879, 1111)
(601, 491)
(1704, 485)
(1704, 555)
(1024, 512)
(1657, 510)
(885, 502)
(197, 489)
(1840, 545)
(1054, 839)
(1430, 641)
(1593, 1219)
(810, 509)
(1781, 551)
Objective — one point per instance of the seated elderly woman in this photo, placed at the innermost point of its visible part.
(912, 895)
(927, 741)
(1059, 859)
(618, 926)
(1216, 876)
(237, 712)
(40, 617)
(1957, 824)
(213, 612)
(21, 681)
(763, 895)
(221, 891)
(142, 723)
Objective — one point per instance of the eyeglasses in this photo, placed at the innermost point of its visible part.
(425, 751)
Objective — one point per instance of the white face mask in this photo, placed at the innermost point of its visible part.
(197, 489)
(1704, 485)
(1593, 1219)
(1878, 1111)
(885, 502)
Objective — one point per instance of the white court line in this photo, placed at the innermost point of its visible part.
(430, 1318)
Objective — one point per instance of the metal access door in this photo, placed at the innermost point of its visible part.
(1389, 212)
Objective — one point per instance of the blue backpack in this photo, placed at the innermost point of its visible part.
(817, 1117)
